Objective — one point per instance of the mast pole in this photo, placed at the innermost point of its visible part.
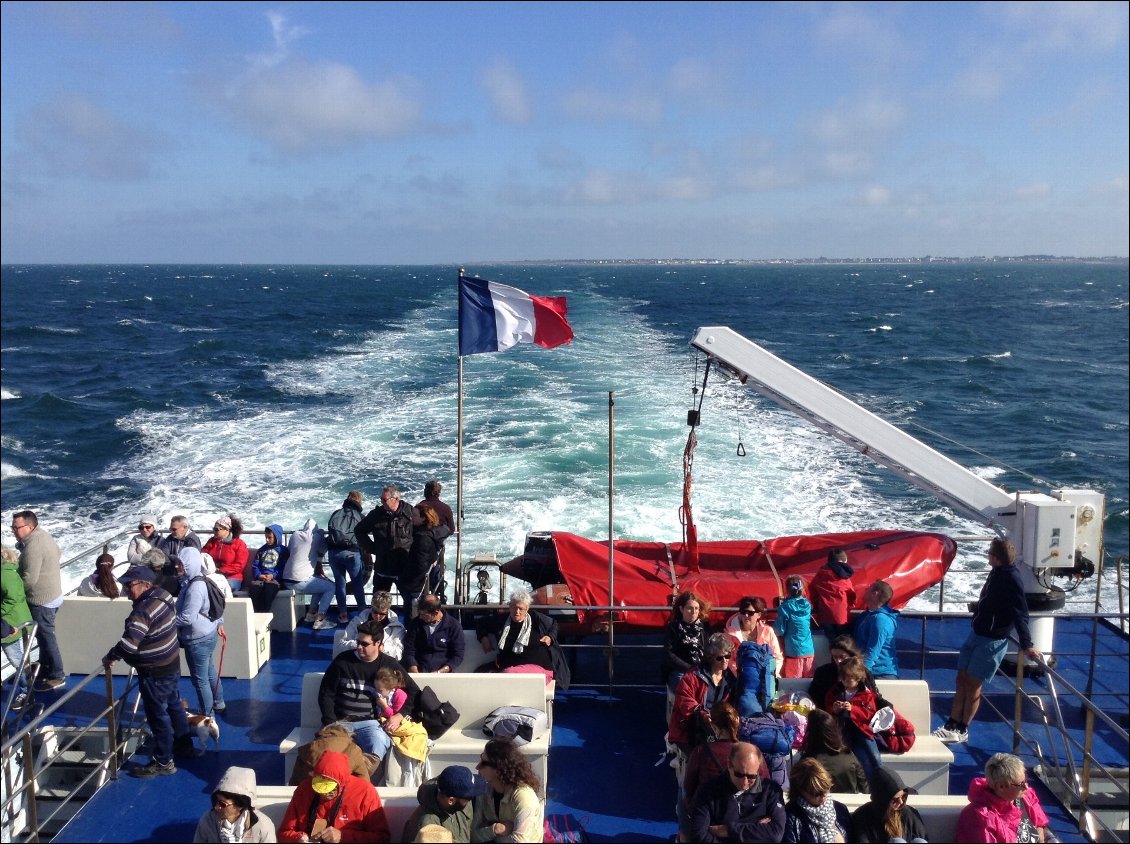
(459, 596)
(611, 551)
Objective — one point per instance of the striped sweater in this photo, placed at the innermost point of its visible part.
(149, 642)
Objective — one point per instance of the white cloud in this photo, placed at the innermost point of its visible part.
(74, 136)
(507, 91)
(1058, 27)
(877, 195)
(1036, 190)
(605, 106)
(299, 107)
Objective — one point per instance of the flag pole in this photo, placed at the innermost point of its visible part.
(459, 596)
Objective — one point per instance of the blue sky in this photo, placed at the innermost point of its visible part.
(471, 132)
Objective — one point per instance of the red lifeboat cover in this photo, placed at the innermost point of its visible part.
(647, 574)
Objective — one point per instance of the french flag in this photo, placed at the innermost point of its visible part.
(494, 317)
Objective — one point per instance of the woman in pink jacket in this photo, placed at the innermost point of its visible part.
(1003, 807)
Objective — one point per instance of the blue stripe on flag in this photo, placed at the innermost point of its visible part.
(477, 332)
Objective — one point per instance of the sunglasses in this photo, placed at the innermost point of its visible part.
(742, 775)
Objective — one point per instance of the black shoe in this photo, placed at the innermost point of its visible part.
(183, 748)
(20, 703)
(154, 769)
(49, 685)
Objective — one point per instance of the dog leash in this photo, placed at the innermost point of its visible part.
(220, 667)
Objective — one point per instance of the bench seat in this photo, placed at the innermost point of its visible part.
(398, 805)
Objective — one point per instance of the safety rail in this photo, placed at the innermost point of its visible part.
(24, 796)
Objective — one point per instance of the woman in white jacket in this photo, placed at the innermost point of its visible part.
(307, 547)
(233, 816)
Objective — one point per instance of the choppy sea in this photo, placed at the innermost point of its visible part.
(271, 391)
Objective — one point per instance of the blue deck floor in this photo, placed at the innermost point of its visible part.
(604, 747)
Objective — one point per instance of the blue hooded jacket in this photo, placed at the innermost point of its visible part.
(875, 637)
(192, 602)
(794, 626)
(270, 559)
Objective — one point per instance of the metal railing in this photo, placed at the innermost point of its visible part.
(25, 774)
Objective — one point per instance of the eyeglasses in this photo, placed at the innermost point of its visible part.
(1023, 786)
(145, 527)
(742, 775)
(16, 527)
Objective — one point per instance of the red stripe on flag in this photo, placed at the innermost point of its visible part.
(551, 329)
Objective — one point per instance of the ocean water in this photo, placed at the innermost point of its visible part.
(272, 391)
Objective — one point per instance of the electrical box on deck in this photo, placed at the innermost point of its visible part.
(1090, 514)
(1048, 530)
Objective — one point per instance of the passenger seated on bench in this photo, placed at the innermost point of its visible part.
(266, 569)
(854, 705)
(233, 816)
(333, 805)
(446, 801)
(510, 810)
(748, 624)
(1003, 806)
(409, 738)
(338, 738)
(709, 760)
(380, 610)
(433, 640)
(102, 583)
(227, 549)
(811, 815)
(700, 691)
(827, 675)
(526, 640)
(348, 691)
(307, 546)
(208, 566)
(824, 742)
(739, 805)
(684, 637)
(145, 538)
(875, 632)
(887, 817)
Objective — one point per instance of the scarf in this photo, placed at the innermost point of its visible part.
(821, 818)
(233, 832)
(523, 635)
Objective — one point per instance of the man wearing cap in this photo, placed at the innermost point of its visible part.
(348, 691)
(446, 801)
(334, 805)
(149, 643)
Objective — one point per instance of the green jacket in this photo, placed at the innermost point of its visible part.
(458, 823)
(13, 604)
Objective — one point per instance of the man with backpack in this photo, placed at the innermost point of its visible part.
(199, 622)
(385, 537)
(345, 554)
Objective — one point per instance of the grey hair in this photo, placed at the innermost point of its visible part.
(719, 643)
(1003, 769)
(154, 558)
(10, 554)
(392, 489)
(521, 596)
(382, 601)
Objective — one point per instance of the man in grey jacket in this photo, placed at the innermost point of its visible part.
(39, 569)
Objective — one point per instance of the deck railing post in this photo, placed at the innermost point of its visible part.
(29, 788)
(1018, 707)
(112, 742)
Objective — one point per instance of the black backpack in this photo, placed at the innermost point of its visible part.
(216, 598)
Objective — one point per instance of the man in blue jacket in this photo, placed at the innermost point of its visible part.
(739, 805)
(433, 640)
(1001, 608)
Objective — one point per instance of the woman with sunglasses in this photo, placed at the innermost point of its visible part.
(232, 816)
(748, 624)
(1002, 806)
(510, 810)
(811, 815)
(886, 816)
(145, 538)
(228, 550)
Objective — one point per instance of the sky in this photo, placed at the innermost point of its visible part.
(422, 133)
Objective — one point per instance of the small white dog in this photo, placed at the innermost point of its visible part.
(203, 727)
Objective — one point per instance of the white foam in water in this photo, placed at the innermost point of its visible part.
(536, 428)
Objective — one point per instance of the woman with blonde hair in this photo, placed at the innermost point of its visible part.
(510, 810)
(811, 815)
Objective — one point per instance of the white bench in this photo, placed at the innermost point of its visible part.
(86, 628)
(926, 766)
(475, 696)
(287, 609)
(939, 811)
(398, 804)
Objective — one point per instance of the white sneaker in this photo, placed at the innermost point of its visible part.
(325, 624)
(951, 736)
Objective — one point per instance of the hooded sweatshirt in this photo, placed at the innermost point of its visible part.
(193, 601)
(271, 559)
(832, 594)
(355, 810)
(306, 548)
(794, 626)
(990, 818)
(256, 827)
(867, 820)
(875, 637)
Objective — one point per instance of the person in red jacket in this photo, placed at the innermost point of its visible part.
(855, 704)
(228, 550)
(832, 594)
(333, 805)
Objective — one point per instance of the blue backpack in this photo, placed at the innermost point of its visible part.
(756, 667)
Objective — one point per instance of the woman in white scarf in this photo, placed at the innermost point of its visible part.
(811, 814)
